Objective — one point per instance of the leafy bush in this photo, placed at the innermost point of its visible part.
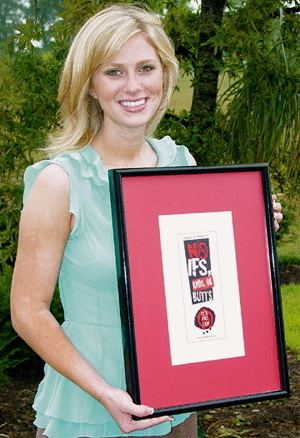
(208, 148)
(13, 351)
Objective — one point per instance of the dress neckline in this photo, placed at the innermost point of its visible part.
(101, 162)
(165, 150)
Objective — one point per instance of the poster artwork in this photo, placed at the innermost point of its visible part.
(201, 287)
(199, 269)
(202, 295)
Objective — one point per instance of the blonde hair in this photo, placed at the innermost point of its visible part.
(99, 40)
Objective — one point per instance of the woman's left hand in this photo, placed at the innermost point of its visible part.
(277, 210)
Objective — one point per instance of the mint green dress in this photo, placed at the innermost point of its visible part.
(88, 290)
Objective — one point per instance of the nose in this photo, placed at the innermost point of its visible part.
(132, 85)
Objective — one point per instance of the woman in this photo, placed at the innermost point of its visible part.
(116, 84)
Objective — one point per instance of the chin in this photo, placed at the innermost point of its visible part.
(142, 122)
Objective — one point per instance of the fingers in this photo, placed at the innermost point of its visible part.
(276, 205)
(149, 422)
(122, 409)
(141, 410)
(277, 210)
(144, 411)
(133, 425)
(278, 217)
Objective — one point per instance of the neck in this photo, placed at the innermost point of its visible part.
(124, 148)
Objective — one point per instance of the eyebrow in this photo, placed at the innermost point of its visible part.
(144, 61)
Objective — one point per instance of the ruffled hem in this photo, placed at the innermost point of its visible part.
(65, 410)
(57, 428)
(58, 397)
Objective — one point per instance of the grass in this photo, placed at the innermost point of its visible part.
(288, 248)
(291, 314)
(289, 253)
(182, 97)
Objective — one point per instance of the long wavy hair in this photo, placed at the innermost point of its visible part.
(99, 40)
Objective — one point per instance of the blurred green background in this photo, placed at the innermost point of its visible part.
(237, 101)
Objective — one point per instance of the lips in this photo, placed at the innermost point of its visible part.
(133, 104)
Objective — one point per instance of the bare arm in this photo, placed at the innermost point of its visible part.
(44, 229)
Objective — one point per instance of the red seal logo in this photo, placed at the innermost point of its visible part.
(205, 318)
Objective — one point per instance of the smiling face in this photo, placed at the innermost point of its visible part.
(129, 87)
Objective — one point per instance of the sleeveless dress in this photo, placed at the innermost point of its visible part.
(89, 295)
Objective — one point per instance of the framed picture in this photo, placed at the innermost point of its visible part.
(198, 285)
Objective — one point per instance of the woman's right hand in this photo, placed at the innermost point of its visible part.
(121, 407)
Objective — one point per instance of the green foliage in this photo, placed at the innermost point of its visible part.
(200, 428)
(43, 13)
(10, 13)
(26, 33)
(263, 118)
(73, 13)
(229, 432)
(12, 352)
(258, 115)
(10, 206)
(262, 106)
(289, 236)
(238, 427)
(30, 20)
(207, 148)
(182, 26)
(27, 112)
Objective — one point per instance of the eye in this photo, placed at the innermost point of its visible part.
(147, 68)
(113, 72)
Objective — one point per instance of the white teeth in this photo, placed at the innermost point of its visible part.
(133, 104)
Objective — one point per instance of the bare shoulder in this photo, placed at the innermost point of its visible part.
(52, 183)
(53, 178)
(49, 196)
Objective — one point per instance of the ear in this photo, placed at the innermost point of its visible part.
(92, 92)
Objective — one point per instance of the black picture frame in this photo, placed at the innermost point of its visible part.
(138, 198)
